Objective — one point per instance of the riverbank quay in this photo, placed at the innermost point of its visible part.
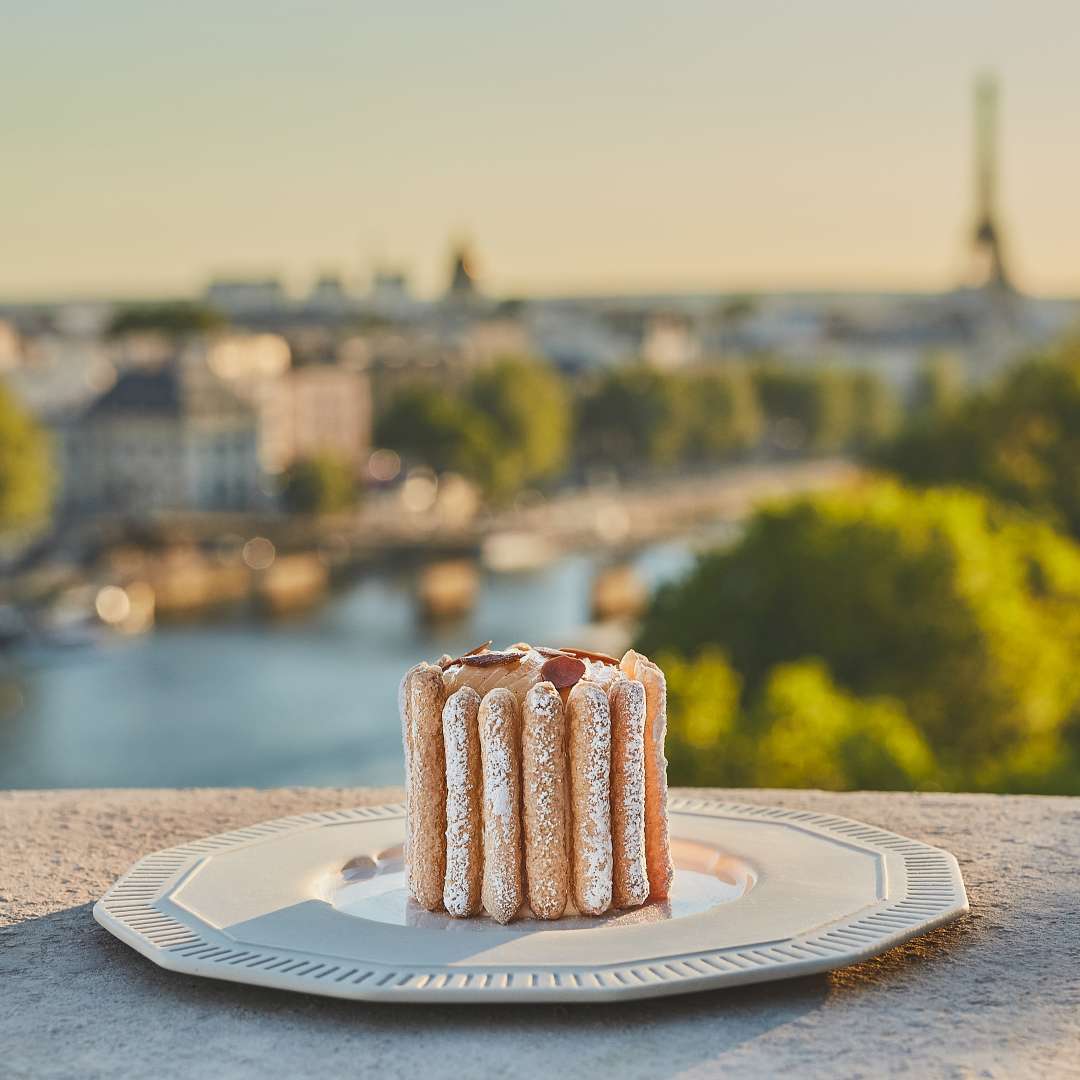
(186, 567)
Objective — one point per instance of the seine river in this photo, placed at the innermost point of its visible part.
(305, 701)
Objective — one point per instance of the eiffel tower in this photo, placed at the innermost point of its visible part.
(990, 271)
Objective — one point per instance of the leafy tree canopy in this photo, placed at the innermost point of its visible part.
(429, 426)
(637, 417)
(811, 409)
(508, 428)
(634, 416)
(26, 477)
(965, 615)
(174, 318)
(722, 412)
(529, 408)
(319, 485)
(939, 385)
(813, 734)
(801, 730)
(876, 413)
(1019, 440)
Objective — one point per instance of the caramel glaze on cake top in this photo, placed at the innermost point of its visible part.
(520, 667)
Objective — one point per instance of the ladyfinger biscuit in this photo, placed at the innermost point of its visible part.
(427, 786)
(403, 712)
(657, 844)
(500, 758)
(544, 801)
(464, 850)
(589, 726)
(629, 876)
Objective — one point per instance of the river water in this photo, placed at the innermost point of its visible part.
(305, 701)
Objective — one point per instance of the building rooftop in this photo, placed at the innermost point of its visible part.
(143, 392)
(173, 390)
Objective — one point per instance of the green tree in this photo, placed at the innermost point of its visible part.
(26, 478)
(875, 410)
(1018, 440)
(174, 318)
(939, 385)
(807, 409)
(527, 405)
(723, 417)
(966, 615)
(801, 730)
(707, 743)
(429, 426)
(813, 734)
(632, 418)
(508, 428)
(321, 484)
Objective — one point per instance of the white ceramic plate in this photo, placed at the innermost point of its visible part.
(317, 903)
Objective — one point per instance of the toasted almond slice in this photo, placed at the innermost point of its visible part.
(562, 671)
(584, 654)
(446, 659)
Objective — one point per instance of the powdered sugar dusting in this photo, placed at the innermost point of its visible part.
(462, 802)
(628, 793)
(408, 756)
(427, 785)
(603, 675)
(544, 773)
(455, 718)
(590, 774)
(532, 659)
(497, 787)
(544, 701)
(502, 821)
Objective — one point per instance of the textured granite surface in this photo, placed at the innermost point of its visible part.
(995, 994)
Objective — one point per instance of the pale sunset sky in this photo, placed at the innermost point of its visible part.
(583, 146)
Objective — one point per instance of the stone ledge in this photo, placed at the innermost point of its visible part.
(997, 993)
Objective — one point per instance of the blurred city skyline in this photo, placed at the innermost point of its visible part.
(589, 150)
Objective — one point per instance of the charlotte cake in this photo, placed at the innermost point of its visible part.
(535, 775)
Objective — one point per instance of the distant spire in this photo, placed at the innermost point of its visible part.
(987, 237)
(463, 275)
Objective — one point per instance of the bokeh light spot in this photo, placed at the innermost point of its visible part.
(384, 465)
(112, 604)
(259, 553)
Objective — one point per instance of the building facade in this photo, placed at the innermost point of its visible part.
(173, 438)
(320, 409)
(301, 411)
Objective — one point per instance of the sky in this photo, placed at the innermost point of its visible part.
(591, 146)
